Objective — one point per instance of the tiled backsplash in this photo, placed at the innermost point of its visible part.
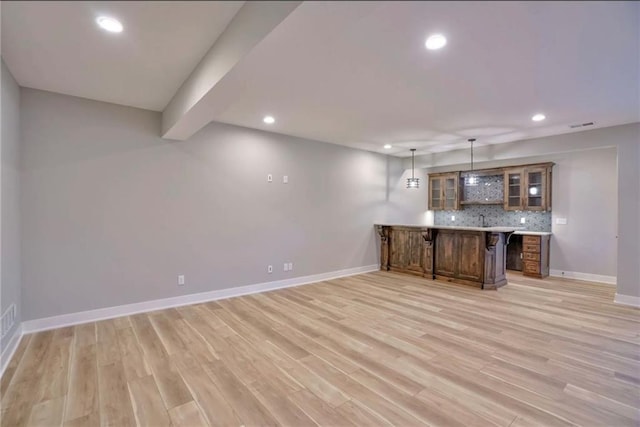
(494, 215)
(490, 188)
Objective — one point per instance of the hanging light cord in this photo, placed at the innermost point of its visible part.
(413, 156)
(471, 141)
(413, 181)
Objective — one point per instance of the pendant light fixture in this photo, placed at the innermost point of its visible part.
(413, 182)
(470, 178)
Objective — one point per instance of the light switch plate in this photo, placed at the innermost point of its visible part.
(285, 179)
(523, 220)
(269, 178)
(453, 217)
(561, 221)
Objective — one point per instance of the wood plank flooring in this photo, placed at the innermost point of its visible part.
(373, 349)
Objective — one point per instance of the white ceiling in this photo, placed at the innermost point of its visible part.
(57, 46)
(358, 74)
(353, 73)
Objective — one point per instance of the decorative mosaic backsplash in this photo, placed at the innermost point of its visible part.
(488, 188)
(491, 188)
(494, 216)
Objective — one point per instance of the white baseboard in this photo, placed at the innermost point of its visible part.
(627, 300)
(10, 349)
(587, 277)
(44, 324)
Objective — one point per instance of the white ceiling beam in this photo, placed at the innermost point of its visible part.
(190, 108)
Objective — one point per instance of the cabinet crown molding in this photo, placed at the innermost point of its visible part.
(493, 171)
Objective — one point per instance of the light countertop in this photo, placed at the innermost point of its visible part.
(533, 233)
(492, 229)
(515, 230)
(449, 227)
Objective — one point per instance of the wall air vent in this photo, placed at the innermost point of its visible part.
(581, 125)
(8, 319)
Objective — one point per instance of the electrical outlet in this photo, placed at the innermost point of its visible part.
(523, 220)
(453, 217)
(285, 179)
(286, 267)
(181, 280)
(561, 221)
(269, 178)
(290, 266)
(270, 269)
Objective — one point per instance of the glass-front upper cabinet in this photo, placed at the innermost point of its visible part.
(536, 189)
(444, 192)
(435, 193)
(527, 189)
(513, 189)
(451, 184)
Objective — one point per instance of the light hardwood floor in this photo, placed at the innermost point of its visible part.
(374, 349)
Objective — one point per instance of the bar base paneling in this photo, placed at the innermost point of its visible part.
(464, 255)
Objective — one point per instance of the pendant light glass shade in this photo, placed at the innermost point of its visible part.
(471, 179)
(413, 182)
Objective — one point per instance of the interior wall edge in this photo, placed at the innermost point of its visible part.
(10, 194)
(630, 300)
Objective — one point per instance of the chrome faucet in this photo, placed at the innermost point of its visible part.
(482, 220)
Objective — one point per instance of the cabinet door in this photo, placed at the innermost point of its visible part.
(471, 256)
(435, 194)
(446, 253)
(531, 267)
(536, 189)
(414, 256)
(451, 184)
(513, 189)
(397, 245)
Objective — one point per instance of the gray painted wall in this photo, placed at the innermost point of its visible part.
(585, 192)
(407, 206)
(112, 213)
(10, 198)
(588, 243)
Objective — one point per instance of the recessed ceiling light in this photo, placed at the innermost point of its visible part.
(387, 146)
(109, 24)
(269, 120)
(538, 117)
(436, 41)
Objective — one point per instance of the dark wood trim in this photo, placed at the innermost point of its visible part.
(383, 232)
